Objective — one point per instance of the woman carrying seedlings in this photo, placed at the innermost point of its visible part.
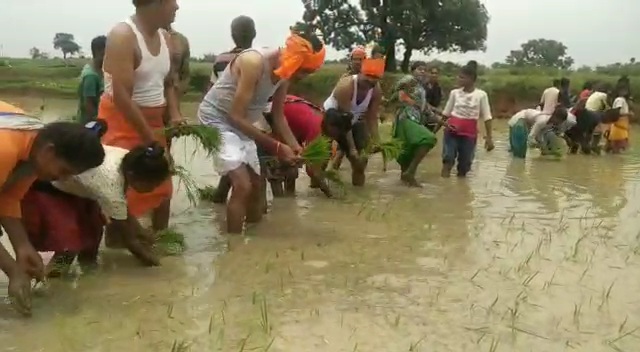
(361, 96)
(236, 102)
(417, 140)
(31, 150)
(66, 217)
(139, 91)
(465, 107)
(618, 134)
(307, 122)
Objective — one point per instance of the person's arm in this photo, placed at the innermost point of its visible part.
(119, 62)
(532, 139)
(372, 114)
(91, 94)
(485, 115)
(185, 66)
(280, 125)
(171, 88)
(343, 94)
(249, 69)
(11, 220)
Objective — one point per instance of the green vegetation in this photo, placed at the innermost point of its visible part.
(510, 87)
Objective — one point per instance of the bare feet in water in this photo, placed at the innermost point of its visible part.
(409, 180)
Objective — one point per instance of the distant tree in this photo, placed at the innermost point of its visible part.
(35, 53)
(424, 26)
(210, 57)
(66, 43)
(541, 53)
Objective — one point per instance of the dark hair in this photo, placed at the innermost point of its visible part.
(339, 119)
(243, 32)
(417, 64)
(587, 85)
(307, 32)
(98, 45)
(73, 143)
(142, 3)
(564, 82)
(470, 70)
(147, 163)
(556, 82)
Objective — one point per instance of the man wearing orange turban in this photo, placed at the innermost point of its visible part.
(356, 57)
(361, 95)
(235, 104)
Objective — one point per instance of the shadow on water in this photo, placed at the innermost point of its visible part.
(532, 255)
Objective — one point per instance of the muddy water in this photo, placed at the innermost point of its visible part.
(522, 256)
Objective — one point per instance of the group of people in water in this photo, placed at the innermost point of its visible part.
(64, 184)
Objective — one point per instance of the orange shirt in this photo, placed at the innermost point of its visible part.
(15, 147)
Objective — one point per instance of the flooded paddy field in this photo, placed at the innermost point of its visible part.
(532, 255)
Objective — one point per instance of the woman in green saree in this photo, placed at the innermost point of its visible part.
(416, 139)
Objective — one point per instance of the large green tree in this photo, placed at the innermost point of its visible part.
(66, 43)
(541, 53)
(422, 25)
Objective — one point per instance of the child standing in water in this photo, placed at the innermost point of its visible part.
(465, 106)
(618, 136)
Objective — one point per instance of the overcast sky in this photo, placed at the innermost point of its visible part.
(595, 31)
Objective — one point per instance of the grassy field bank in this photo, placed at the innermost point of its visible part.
(509, 89)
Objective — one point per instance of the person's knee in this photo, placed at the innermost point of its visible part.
(241, 187)
(449, 148)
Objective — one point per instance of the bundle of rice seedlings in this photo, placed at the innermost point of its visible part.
(170, 242)
(390, 150)
(190, 185)
(207, 193)
(317, 152)
(335, 183)
(207, 137)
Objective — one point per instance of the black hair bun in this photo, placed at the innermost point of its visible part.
(99, 127)
(155, 150)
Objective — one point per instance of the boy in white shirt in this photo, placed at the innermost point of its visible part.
(550, 97)
(465, 107)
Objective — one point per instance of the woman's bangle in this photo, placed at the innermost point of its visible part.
(277, 148)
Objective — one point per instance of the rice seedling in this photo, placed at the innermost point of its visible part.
(264, 316)
(207, 137)
(185, 180)
(180, 346)
(389, 150)
(335, 183)
(317, 152)
(170, 242)
(207, 193)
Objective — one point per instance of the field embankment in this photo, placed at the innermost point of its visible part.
(509, 89)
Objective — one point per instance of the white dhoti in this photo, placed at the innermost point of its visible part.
(234, 152)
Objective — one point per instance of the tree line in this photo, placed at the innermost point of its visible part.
(409, 26)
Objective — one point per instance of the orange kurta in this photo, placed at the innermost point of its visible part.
(121, 134)
(15, 146)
